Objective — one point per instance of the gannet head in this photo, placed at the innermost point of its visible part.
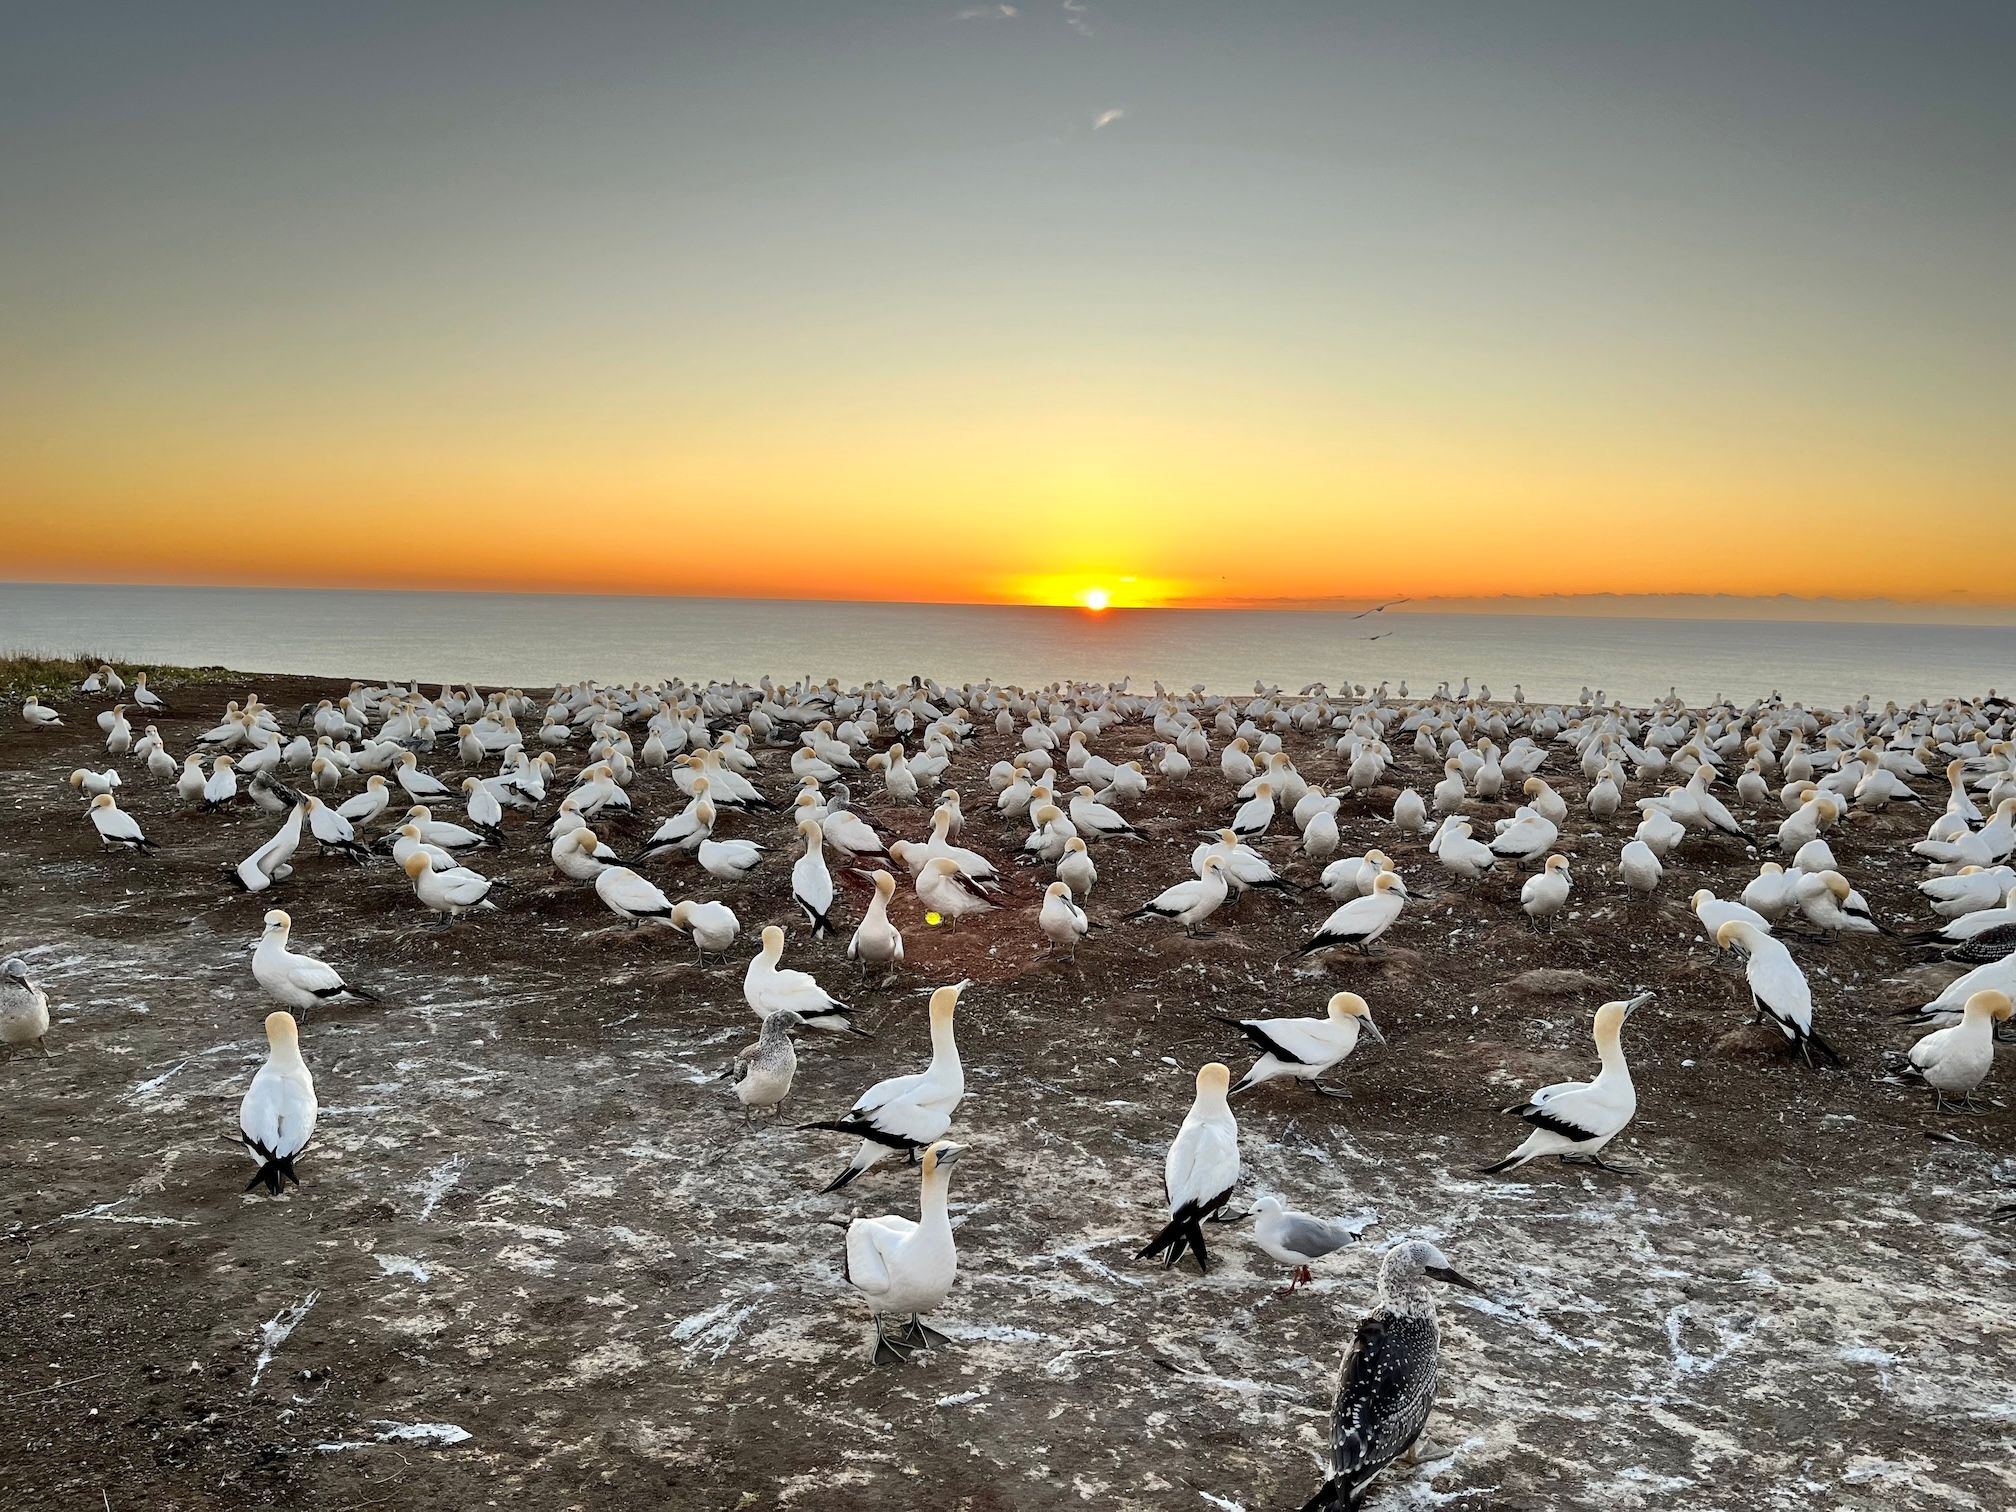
(1049, 813)
(278, 921)
(1213, 1080)
(1348, 1005)
(1837, 884)
(941, 1155)
(1531, 786)
(281, 1031)
(1611, 1016)
(944, 1002)
(102, 801)
(1989, 1003)
(1264, 790)
(1557, 863)
(15, 969)
(773, 942)
(1417, 1257)
(415, 864)
(1701, 895)
(1736, 934)
(223, 764)
(1385, 882)
(1074, 845)
(1057, 890)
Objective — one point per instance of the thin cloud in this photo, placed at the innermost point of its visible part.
(1078, 16)
(987, 13)
(1106, 118)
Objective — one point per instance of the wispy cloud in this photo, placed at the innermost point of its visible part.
(987, 13)
(1078, 16)
(1106, 118)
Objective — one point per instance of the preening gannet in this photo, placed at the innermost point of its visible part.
(1200, 1172)
(630, 896)
(1546, 893)
(1386, 1389)
(943, 888)
(1954, 1061)
(294, 980)
(1297, 1239)
(1575, 1120)
(1777, 986)
(450, 892)
(1189, 903)
(767, 990)
(117, 829)
(764, 1071)
(1303, 1049)
(1714, 912)
(1828, 901)
(902, 1114)
(1062, 921)
(580, 856)
(711, 926)
(905, 1269)
(24, 1009)
(1361, 921)
(277, 1117)
(91, 784)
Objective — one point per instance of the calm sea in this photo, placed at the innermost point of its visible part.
(535, 639)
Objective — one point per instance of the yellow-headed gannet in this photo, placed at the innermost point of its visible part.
(902, 1114)
(451, 891)
(1361, 921)
(1575, 1120)
(117, 829)
(876, 941)
(1778, 987)
(767, 990)
(294, 980)
(904, 1269)
(1955, 1061)
(1200, 1172)
(277, 1117)
(1190, 902)
(1303, 1049)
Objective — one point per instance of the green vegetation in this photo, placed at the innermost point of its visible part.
(52, 677)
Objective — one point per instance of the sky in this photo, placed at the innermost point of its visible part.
(1175, 302)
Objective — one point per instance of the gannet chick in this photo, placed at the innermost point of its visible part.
(1062, 921)
(1956, 1060)
(764, 1070)
(450, 892)
(1575, 1120)
(1200, 1172)
(1546, 894)
(901, 1268)
(876, 941)
(1075, 869)
(768, 990)
(630, 896)
(712, 927)
(1297, 1239)
(294, 980)
(811, 882)
(117, 829)
(1361, 921)
(1190, 902)
(24, 1009)
(1303, 1049)
(1386, 1389)
(903, 1114)
(277, 1117)
(946, 890)
(1778, 987)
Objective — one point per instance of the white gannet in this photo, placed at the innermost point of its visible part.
(1545, 894)
(189, 785)
(1386, 1388)
(37, 715)
(1714, 912)
(900, 1115)
(1777, 986)
(876, 941)
(293, 980)
(580, 856)
(145, 696)
(1410, 814)
(1297, 1239)
(273, 861)
(1351, 877)
(630, 896)
(767, 990)
(1639, 869)
(1956, 1060)
(1256, 814)
(1062, 921)
(277, 1117)
(421, 787)
(365, 807)
(711, 926)
(1830, 903)
(1091, 817)
(946, 890)
(1200, 1172)
(811, 882)
(764, 1071)
(1526, 837)
(24, 1009)
(730, 860)
(1190, 902)
(450, 892)
(1770, 892)
(117, 829)
(1575, 1120)
(331, 830)
(1075, 869)
(222, 785)
(1303, 1049)
(91, 784)
(1361, 921)
(905, 1269)
(1243, 866)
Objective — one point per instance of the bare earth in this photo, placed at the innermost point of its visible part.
(538, 1261)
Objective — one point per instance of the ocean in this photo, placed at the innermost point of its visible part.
(538, 639)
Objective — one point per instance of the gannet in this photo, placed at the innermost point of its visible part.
(1639, 869)
(685, 830)
(1987, 934)
(1714, 912)
(421, 787)
(1386, 1389)
(222, 785)
(1956, 1060)
(277, 1117)
(811, 882)
(904, 1269)
(1410, 814)
(1968, 890)
(1777, 986)
(1361, 921)
(116, 828)
(876, 941)
(1075, 869)
(1200, 1172)
(24, 1009)
(444, 835)
(365, 807)
(482, 806)
(1297, 1239)
(946, 890)
(730, 860)
(273, 861)
(91, 784)
(450, 892)
(630, 896)
(711, 926)
(1546, 893)
(293, 980)
(903, 1114)
(38, 715)
(1189, 902)
(1062, 921)
(764, 1070)
(1526, 837)
(1256, 814)
(767, 990)
(1091, 817)
(580, 856)
(1351, 877)
(189, 785)
(1575, 1120)
(1303, 1049)
(1770, 892)
(145, 696)
(1051, 831)
(1460, 854)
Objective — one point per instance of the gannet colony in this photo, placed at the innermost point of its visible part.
(799, 1095)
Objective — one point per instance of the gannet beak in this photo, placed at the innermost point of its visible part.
(1632, 1005)
(1378, 1034)
(1453, 1277)
(948, 1153)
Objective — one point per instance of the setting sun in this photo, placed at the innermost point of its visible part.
(1095, 599)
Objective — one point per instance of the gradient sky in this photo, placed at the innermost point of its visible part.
(1221, 301)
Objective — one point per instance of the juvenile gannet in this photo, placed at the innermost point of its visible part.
(876, 941)
(1062, 921)
(1575, 1120)
(1190, 902)
(900, 1115)
(767, 990)
(117, 829)
(1955, 1061)
(293, 980)
(1297, 1239)
(630, 896)
(450, 892)
(764, 1070)
(277, 1117)
(24, 1009)
(1361, 921)
(1777, 986)
(811, 882)
(1200, 1172)
(901, 1268)
(1546, 893)
(1386, 1389)
(1303, 1049)
(711, 926)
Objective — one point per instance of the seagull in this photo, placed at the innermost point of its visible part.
(1302, 1049)
(764, 1070)
(902, 1268)
(767, 990)
(277, 1117)
(24, 1009)
(1956, 1060)
(1386, 1389)
(1777, 986)
(1190, 902)
(116, 827)
(1295, 1239)
(876, 941)
(903, 1114)
(1200, 1172)
(1362, 920)
(1575, 1120)
(294, 980)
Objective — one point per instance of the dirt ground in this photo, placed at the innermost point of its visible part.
(537, 1260)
